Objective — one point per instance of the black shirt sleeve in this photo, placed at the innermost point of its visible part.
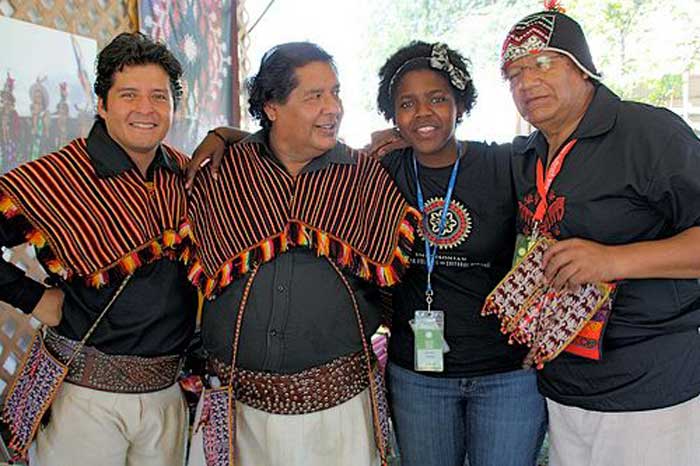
(674, 189)
(16, 288)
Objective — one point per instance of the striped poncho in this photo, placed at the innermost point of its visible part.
(351, 213)
(90, 227)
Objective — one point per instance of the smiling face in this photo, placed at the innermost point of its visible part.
(426, 115)
(306, 124)
(138, 110)
(549, 90)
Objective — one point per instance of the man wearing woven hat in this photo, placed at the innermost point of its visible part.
(618, 183)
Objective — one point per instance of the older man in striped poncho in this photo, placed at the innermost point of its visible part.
(293, 241)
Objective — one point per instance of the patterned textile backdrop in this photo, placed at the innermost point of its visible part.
(46, 96)
(201, 34)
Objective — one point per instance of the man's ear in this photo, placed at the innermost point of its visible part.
(101, 107)
(270, 109)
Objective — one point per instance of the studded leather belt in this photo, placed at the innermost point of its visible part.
(94, 369)
(314, 389)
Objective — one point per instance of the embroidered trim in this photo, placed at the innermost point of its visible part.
(94, 228)
(297, 234)
(173, 244)
(28, 398)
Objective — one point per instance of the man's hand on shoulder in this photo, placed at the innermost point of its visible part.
(49, 309)
(383, 142)
(212, 149)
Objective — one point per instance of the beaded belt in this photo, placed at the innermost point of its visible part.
(94, 369)
(307, 391)
(310, 390)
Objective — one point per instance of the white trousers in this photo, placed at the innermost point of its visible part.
(92, 427)
(660, 437)
(338, 436)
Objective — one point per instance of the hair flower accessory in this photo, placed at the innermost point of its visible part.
(440, 60)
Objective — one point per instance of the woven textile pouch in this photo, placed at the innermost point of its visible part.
(218, 426)
(545, 320)
(37, 383)
(218, 422)
(31, 394)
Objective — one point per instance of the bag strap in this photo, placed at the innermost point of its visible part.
(373, 387)
(239, 322)
(114, 297)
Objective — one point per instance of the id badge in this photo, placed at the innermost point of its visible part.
(429, 340)
(523, 244)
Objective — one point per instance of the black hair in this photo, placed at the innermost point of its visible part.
(276, 78)
(134, 49)
(407, 59)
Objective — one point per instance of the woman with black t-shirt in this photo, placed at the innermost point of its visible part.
(465, 395)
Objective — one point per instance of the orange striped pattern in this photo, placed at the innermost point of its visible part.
(93, 224)
(351, 213)
(589, 341)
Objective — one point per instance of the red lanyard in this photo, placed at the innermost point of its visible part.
(543, 184)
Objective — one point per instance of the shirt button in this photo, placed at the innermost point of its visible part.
(280, 288)
(273, 333)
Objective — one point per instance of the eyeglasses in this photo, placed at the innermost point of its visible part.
(541, 66)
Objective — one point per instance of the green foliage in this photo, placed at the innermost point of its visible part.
(623, 34)
(396, 23)
(641, 46)
(664, 90)
(475, 27)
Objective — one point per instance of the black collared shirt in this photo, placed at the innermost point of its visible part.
(299, 313)
(155, 315)
(633, 175)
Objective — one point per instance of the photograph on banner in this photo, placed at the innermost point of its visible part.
(46, 100)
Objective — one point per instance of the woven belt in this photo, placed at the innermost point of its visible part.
(314, 389)
(94, 369)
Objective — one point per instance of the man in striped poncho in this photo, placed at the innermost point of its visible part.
(101, 209)
(293, 240)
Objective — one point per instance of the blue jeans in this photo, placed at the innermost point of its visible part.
(492, 420)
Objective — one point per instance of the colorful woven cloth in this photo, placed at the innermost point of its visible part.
(380, 346)
(218, 423)
(547, 321)
(350, 213)
(549, 30)
(31, 394)
(92, 227)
